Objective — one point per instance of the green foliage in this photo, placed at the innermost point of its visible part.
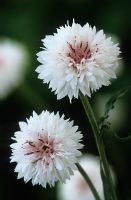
(122, 139)
(109, 106)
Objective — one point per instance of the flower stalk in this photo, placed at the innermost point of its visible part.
(88, 180)
(99, 143)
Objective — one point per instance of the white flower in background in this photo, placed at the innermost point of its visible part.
(76, 188)
(46, 149)
(77, 59)
(13, 58)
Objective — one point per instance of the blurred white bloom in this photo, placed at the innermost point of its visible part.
(77, 59)
(13, 57)
(46, 149)
(77, 188)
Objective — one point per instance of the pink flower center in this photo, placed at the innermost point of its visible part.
(78, 52)
(42, 149)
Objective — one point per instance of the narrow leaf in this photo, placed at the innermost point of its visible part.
(109, 106)
(122, 139)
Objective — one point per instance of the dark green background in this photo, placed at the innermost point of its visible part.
(28, 21)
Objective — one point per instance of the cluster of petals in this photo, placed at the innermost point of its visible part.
(77, 59)
(46, 149)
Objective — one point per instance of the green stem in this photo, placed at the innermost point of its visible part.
(99, 142)
(87, 179)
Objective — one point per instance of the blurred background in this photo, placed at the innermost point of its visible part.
(28, 22)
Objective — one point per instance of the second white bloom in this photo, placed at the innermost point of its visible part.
(46, 149)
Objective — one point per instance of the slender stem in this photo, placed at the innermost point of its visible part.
(88, 180)
(99, 142)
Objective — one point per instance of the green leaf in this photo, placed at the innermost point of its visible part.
(122, 139)
(109, 106)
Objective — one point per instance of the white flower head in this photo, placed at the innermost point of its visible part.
(77, 58)
(46, 149)
(76, 188)
(13, 59)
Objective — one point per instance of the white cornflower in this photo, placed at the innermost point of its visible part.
(77, 58)
(46, 149)
(76, 188)
(13, 58)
